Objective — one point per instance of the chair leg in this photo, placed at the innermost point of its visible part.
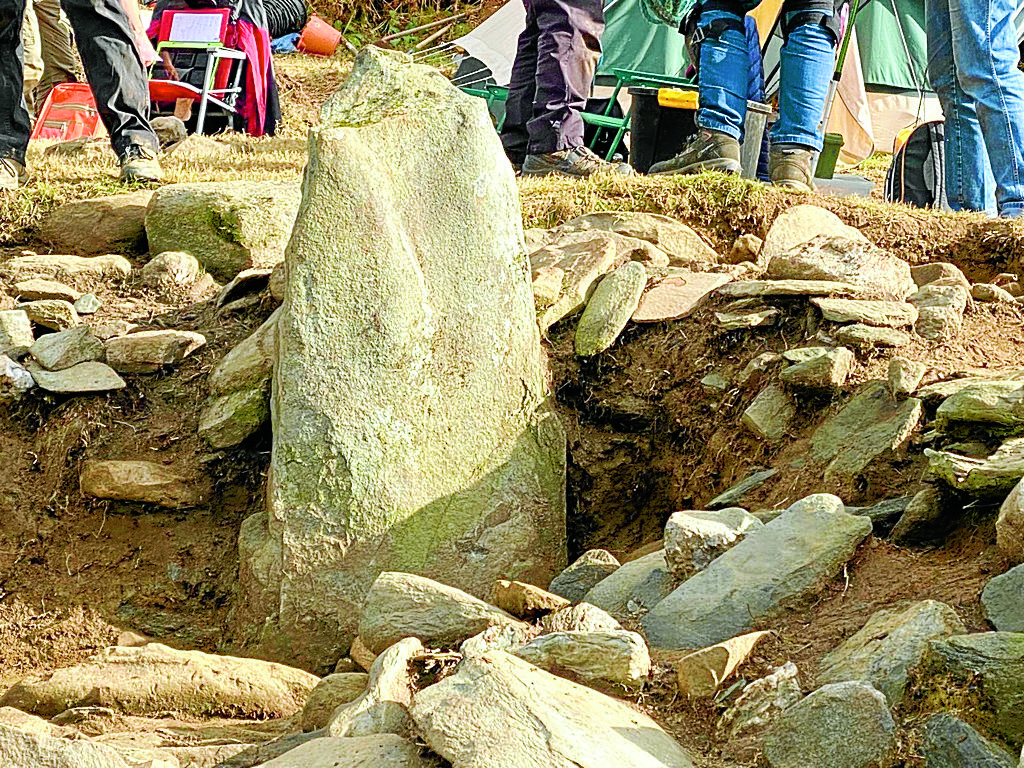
(204, 97)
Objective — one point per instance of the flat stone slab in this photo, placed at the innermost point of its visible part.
(996, 405)
(83, 378)
(55, 314)
(149, 351)
(867, 336)
(886, 314)
(37, 288)
(845, 260)
(142, 481)
(678, 296)
(994, 476)
(84, 273)
(791, 556)
(742, 289)
(57, 351)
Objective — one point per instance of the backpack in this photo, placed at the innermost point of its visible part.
(917, 174)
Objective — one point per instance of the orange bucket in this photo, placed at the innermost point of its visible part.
(318, 37)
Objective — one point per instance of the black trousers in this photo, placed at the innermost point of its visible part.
(112, 67)
(551, 77)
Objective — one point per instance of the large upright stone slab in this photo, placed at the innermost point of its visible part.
(412, 427)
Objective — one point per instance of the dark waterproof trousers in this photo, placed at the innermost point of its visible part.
(112, 67)
(552, 75)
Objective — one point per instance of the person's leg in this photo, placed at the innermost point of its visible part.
(970, 185)
(33, 69)
(986, 55)
(522, 88)
(55, 41)
(15, 127)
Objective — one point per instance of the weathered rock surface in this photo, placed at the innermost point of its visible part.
(142, 481)
(228, 225)
(87, 304)
(564, 274)
(610, 309)
(15, 330)
(801, 223)
(525, 601)
(746, 289)
(615, 656)
(700, 673)
(15, 380)
(825, 372)
(38, 289)
(867, 337)
(682, 245)
(924, 274)
(330, 693)
(892, 644)
(380, 751)
(639, 584)
(990, 477)
(996, 405)
(82, 272)
(844, 725)
(1010, 525)
(761, 704)
(229, 419)
(940, 310)
(20, 749)
(905, 376)
(992, 293)
(677, 296)
(886, 314)
(579, 578)
(149, 351)
(55, 314)
(401, 605)
(952, 743)
(114, 224)
(171, 273)
(504, 637)
(694, 539)
(411, 418)
(154, 678)
(923, 521)
(83, 378)
(770, 414)
(794, 554)
(498, 710)
(844, 260)
(582, 617)
(1003, 598)
(57, 351)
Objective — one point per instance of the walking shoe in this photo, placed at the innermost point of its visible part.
(12, 173)
(139, 163)
(791, 168)
(706, 151)
(578, 162)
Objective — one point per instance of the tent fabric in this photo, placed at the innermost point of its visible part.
(893, 46)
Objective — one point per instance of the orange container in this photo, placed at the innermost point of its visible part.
(68, 113)
(318, 37)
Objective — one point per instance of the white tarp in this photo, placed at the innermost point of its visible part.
(494, 41)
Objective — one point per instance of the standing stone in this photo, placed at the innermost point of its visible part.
(610, 309)
(844, 725)
(114, 224)
(700, 673)
(15, 330)
(579, 578)
(412, 425)
(952, 743)
(1003, 598)
(57, 351)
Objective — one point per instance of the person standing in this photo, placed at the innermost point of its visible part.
(55, 49)
(972, 67)
(115, 74)
(551, 79)
(811, 35)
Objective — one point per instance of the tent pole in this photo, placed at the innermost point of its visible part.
(844, 47)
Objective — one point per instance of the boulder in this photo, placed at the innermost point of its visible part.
(228, 225)
(153, 679)
(637, 585)
(793, 555)
(582, 617)
(1003, 598)
(694, 539)
(39, 289)
(889, 647)
(924, 520)
(870, 426)
(411, 417)
(55, 314)
(579, 578)
(379, 751)
(383, 706)
(610, 309)
(699, 674)
(760, 704)
(57, 351)
(684, 247)
(800, 223)
(149, 351)
(868, 337)
(770, 414)
(525, 601)
(614, 656)
(995, 405)
(81, 379)
(885, 314)
(498, 710)
(21, 749)
(85, 273)
(329, 694)
(143, 482)
(905, 376)
(677, 296)
(401, 605)
(114, 224)
(991, 477)
(171, 273)
(1010, 525)
(952, 743)
(15, 330)
(824, 373)
(843, 725)
(844, 260)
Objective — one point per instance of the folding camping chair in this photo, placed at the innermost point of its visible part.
(208, 71)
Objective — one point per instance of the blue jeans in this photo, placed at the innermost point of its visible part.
(972, 65)
(807, 60)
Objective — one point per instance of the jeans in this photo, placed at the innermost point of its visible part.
(807, 60)
(112, 67)
(972, 66)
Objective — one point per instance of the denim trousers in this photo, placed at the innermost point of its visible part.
(807, 60)
(972, 66)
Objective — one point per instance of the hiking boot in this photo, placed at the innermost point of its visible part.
(139, 163)
(706, 151)
(12, 173)
(578, 162)
(791, 168)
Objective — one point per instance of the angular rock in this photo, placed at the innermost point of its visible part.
(793, 555)
(380, 751)
(142, 481)
(745, 289)
(171, 273)
(924, 274)
(579, 578)
(228, 225)
(384, 706)
(683, 246)
(801, 223)
(86, 273)
(761, 704)
(677, 296)
(1003, 598)
(57, 351)
(15, 330)
(870, 426)
(770, 414)
(401, 605)
(87, 304)
(744, 248)
(735, 494)
(111, 328)
(227, 420)
(1010, 525)
(362, 656)
(753, 372)
(525, 601)
(582, 617)
(577, 266)
(885, 314)
(498, 710)
(80, 379)
(694, 539)
(637, 585)
(924, 519)
(844, 260)
(616, 656)
(941, 295)
(55, 314)
(991, 477)
(805, 354)
(330, 693)
(508, 637)
(38, 289)
(19, 749)
(737, 321)
(827, 372)
(905, 376)
(627, 248)
(15, 380)
(994, 405)
(149, 351)
(610, 308)
(278, 282)
(249, 364)
(700, 673)
(866, 337)
(889, 647)
(939, 323)
(153, 678)
(844, 725)
(952, 743)
(114, 224)
(992, 293)
(411, 418)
